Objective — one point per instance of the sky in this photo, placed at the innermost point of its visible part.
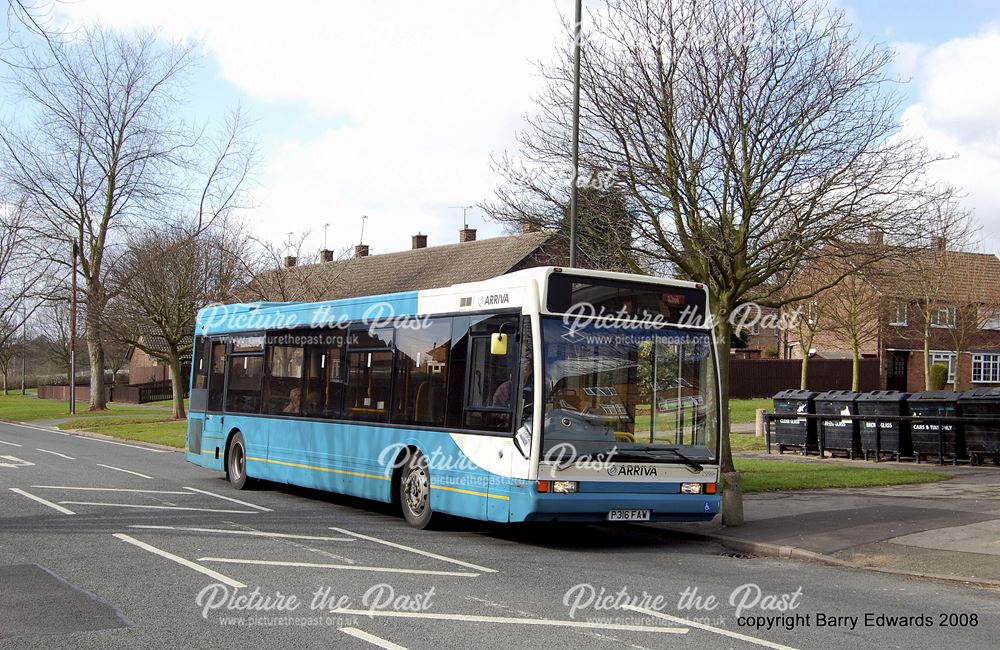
(393, 109)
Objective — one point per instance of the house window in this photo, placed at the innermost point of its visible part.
(945, 359)
(898, 315)
(943, 317)
(990, 318)
(986, 368)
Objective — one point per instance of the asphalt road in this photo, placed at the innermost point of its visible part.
(109, 545)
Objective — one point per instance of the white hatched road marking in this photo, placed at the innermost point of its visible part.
(468, 618)
(65, 511)
(416, 550)
(251, 533)
(96, 489)
(345, 567)
(12, 444)
(371, 638)
(709, 628)
(149, 507)
(56, 453)
(179, 560)
(219, 496)
(15, 462)
(127, 471)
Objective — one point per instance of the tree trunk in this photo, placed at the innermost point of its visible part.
(855, 367)
(5, 383)
(927, 354)
(803, 382)
(95, 351)
(177, 387)
(732, 487)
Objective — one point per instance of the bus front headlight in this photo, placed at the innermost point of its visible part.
(564, 487)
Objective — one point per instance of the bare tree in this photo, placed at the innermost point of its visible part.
(166, 276)
(745, 135)
(100, 153)
(854, 314)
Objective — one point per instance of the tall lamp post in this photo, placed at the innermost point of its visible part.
(72, 335)
(577, 34)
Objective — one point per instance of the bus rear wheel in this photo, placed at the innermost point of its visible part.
(236, 462)
(415, 491)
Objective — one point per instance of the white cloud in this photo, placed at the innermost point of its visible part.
(957, 113)
(416, 97)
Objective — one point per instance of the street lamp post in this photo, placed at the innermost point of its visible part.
(72, 336)
(577, 29)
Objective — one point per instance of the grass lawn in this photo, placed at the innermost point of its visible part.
(772, 475)
(745, 410)
(747, 442)
(149, 429)
(29, 407)
(169, 403)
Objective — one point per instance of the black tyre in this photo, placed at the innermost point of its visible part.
(236, 462)
(415, 491)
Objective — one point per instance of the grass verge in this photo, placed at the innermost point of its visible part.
(746, 442)
(745, 410)
(773, 475)
(29, 407)
(158, 430)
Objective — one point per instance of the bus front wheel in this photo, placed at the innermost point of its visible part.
(415, 491)
(236, 461)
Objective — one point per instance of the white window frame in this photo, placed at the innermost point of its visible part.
(894, 318)
(949, 322)
(986, 368)
(990, 318)
(945, 359)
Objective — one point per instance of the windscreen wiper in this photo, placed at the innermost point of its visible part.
(653, 452)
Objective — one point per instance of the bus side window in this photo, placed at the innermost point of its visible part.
(283, 381)
(369, 368)
(482, 388)
(422, 374)
(217, 376)
(324, 381)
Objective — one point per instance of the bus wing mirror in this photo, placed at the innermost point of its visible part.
(498, 344)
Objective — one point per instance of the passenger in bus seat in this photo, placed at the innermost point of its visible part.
(294, 401)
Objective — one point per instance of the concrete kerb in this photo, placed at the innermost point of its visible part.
(98, 436)
(766, 549)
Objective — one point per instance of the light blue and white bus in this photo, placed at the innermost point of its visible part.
(546, 394)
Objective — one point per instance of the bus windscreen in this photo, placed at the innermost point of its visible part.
(623, 299)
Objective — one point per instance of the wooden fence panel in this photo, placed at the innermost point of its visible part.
(765, 377)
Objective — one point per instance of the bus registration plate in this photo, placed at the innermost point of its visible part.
(628, 515)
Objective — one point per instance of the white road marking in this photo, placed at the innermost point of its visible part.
(127, 471)
(65, 511)
(345, 567)
(93, 489)
(219, 496)
(12, 444)
(56, 453)
(251, 533)
(15, 462)
(371, 638)
(179, 560)
(148, 507)
(415, 550)
(467, 618)
(709, 628)
(125, 444)
(82, 437)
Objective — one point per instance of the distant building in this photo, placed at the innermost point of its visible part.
(143, 368)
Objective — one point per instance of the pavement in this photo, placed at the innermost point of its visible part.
(948, 530)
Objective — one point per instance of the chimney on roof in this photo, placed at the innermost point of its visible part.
(419, 241)
(875, 238)
(290, 261)
(938, 243)
(528, 225)
(361, 250)
(326, 255)
(466, 234)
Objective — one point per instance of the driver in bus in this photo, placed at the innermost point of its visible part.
(502, 395)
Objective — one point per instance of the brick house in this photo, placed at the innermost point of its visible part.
(143, 368)
(966, 305)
